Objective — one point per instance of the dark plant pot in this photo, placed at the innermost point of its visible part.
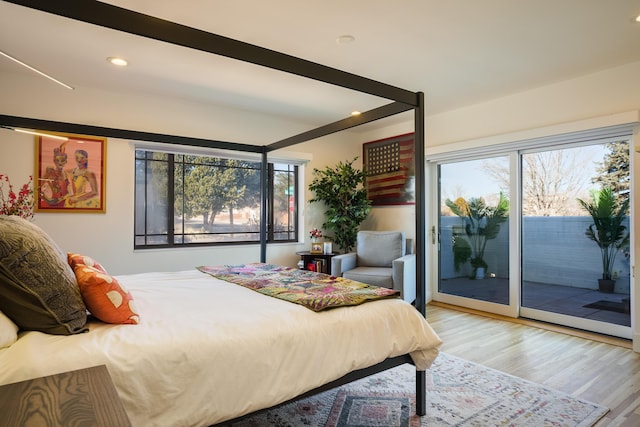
(606, 285)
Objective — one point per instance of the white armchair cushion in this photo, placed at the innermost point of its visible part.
(379, 248)
(376, 276)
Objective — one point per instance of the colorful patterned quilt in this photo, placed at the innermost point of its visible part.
(316, 291)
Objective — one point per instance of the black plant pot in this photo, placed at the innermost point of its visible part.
(606, 285)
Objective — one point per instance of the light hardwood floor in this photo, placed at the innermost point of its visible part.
(606, 371)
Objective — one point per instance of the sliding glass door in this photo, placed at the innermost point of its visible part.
(575, 268)
(541, 233)
(474, 233)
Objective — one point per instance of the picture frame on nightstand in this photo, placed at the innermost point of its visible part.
(317, 248)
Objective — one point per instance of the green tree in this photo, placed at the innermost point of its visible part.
(248, 177)
(212, 185)
(613, 173)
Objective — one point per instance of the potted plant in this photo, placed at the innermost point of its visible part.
(607, 230)
(342, 190)
(481, 223)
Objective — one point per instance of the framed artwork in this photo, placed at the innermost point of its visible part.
(70, 173)
(389, 164)
(316, 248)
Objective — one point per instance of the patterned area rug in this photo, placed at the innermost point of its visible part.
(459, 393)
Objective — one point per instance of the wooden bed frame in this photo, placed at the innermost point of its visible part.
(128, 21)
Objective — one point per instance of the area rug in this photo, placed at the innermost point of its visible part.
(459, 393)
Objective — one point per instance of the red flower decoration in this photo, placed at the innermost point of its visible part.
(315, 233)
(20, 204)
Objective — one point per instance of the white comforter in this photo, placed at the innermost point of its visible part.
(207, 350)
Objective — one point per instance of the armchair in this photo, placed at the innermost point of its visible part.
(382, 258)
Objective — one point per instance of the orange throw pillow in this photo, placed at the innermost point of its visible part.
(76, 259)
(104, 297)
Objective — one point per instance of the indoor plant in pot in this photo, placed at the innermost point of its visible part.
(342, 190)
(607, 230)
(481, 223)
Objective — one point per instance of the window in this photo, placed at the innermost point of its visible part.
(183, 200)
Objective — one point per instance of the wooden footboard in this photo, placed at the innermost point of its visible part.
(421, 396)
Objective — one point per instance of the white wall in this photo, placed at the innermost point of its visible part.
(36, 97)
(604, 93)
(109, 237)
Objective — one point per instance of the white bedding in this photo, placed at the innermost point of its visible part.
(207, 350)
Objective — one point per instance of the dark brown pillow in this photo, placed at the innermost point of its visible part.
(38, 290)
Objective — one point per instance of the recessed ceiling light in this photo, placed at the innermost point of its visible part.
(345, 39)
(638, 18)
(355, 113)
(120, 62)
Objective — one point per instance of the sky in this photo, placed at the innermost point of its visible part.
(471, 178)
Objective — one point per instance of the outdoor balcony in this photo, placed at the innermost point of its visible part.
(579, 302)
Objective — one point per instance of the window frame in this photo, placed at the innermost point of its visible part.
(170, 234)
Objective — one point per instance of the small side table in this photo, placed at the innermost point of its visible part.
(321, 267)
(82, 397)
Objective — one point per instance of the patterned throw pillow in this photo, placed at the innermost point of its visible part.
(75, 259)
(104, 296)
(38, 290)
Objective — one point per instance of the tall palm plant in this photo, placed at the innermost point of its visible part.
(607, 229)
(481, 224)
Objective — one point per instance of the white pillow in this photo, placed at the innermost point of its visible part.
(8, 331)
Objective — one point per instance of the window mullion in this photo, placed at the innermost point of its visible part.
(270, 202)
(171, 200)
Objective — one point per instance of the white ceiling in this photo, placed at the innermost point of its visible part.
(458, 52)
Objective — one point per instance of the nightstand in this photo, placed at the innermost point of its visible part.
(82, 397)
(321, 267)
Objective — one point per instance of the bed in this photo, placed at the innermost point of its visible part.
(207, 350)
(381, 334)
(195, 347)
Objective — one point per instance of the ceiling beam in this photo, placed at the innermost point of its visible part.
(340, 125)
(80, 129)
